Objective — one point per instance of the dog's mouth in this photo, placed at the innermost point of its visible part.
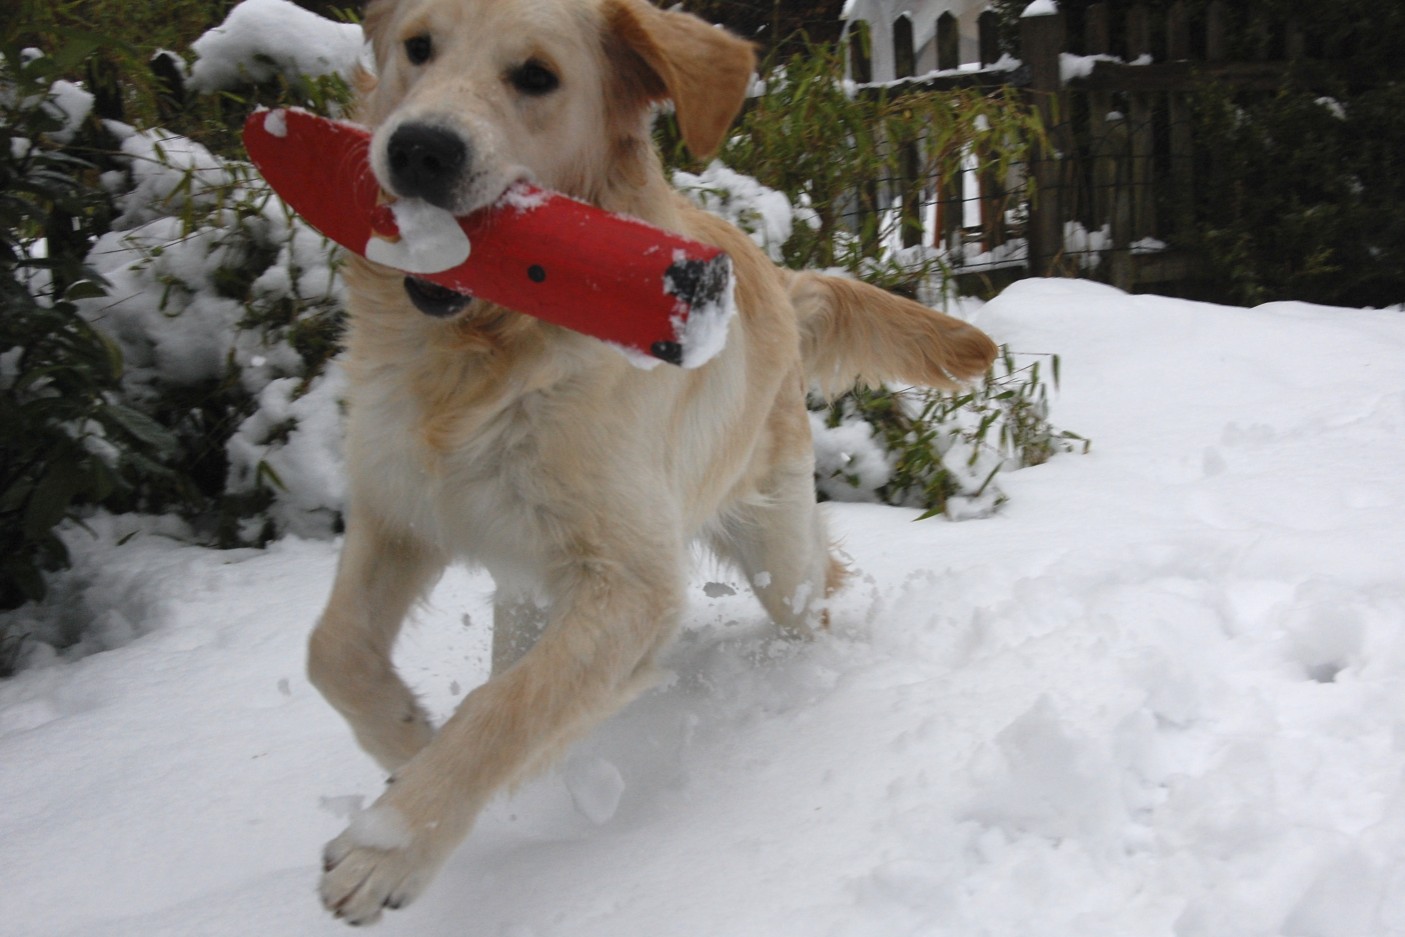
(435, 300)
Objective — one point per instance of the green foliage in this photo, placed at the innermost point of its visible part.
(120, 69)
(837, 157)
(67, 441)
(116, 68)
(829, 152)
(202, 255)
(945, 450)
(172, 375)
(1292, 206)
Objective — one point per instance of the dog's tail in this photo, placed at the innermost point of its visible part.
(854, 333)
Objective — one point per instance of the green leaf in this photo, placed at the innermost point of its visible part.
(139, 426)
(52, 498)
(84, 289)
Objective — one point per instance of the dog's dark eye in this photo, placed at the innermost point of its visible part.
(418, 49)
(534, 78)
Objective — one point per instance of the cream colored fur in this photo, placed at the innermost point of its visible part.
(578, 480)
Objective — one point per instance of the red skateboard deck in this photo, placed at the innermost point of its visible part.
(648, 291)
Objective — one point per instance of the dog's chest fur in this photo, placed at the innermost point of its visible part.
(542, 445)
(454, 443)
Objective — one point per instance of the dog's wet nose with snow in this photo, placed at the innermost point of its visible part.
(428, 162)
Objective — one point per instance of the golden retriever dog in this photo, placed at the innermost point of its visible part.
(578, 480)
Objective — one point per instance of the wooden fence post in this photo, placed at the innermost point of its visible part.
(1041, 42)
(1179, 116)
(1142, 133)
(909, 185)
(861, 71)
(994, 197)
(1097, 40)
(1216, 32)
(988, 33)
(950, 207)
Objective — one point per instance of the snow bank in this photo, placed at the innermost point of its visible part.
(1160, 694)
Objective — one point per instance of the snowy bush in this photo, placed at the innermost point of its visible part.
(939, 451)
(166, 328)
(793, 175)
(1293, 209)
(266, 39)
(227, 309)
(762, 212)
(68, 441)
(205, 318)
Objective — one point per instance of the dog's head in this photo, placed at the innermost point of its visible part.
(471, 96)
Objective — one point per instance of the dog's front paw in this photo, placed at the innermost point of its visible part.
(378, 863)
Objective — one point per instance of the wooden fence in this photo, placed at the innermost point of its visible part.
(1115, 84)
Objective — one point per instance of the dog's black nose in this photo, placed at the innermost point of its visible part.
(426, 162)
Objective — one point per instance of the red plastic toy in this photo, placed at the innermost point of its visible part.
(537, 252)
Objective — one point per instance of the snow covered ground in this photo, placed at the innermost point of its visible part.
(1161, 693)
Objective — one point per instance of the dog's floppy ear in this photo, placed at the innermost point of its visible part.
(375, 25)
(705, 70)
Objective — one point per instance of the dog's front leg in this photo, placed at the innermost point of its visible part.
(607, 619)
(379, 577)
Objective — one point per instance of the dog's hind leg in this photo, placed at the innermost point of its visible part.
(783, 549)
(349, 655)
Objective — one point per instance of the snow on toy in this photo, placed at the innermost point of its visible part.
(654, 294)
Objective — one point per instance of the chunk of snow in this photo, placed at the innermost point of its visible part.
(1333, 106)
(1080, 66)
(276, 123)
(703, 334)
(762, 212)
(161, 164)
(379, 827)
(850, 464)
(595, 786)
(1041, 8)
(431, 240)
(72, 104)
(523, 198)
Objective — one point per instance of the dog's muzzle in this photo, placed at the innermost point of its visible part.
(428, 162)
(433, 299)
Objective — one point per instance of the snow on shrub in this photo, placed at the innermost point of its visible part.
(292, 443)
(762, 212)
(224, 313)
(265, 39)
(216, 290)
